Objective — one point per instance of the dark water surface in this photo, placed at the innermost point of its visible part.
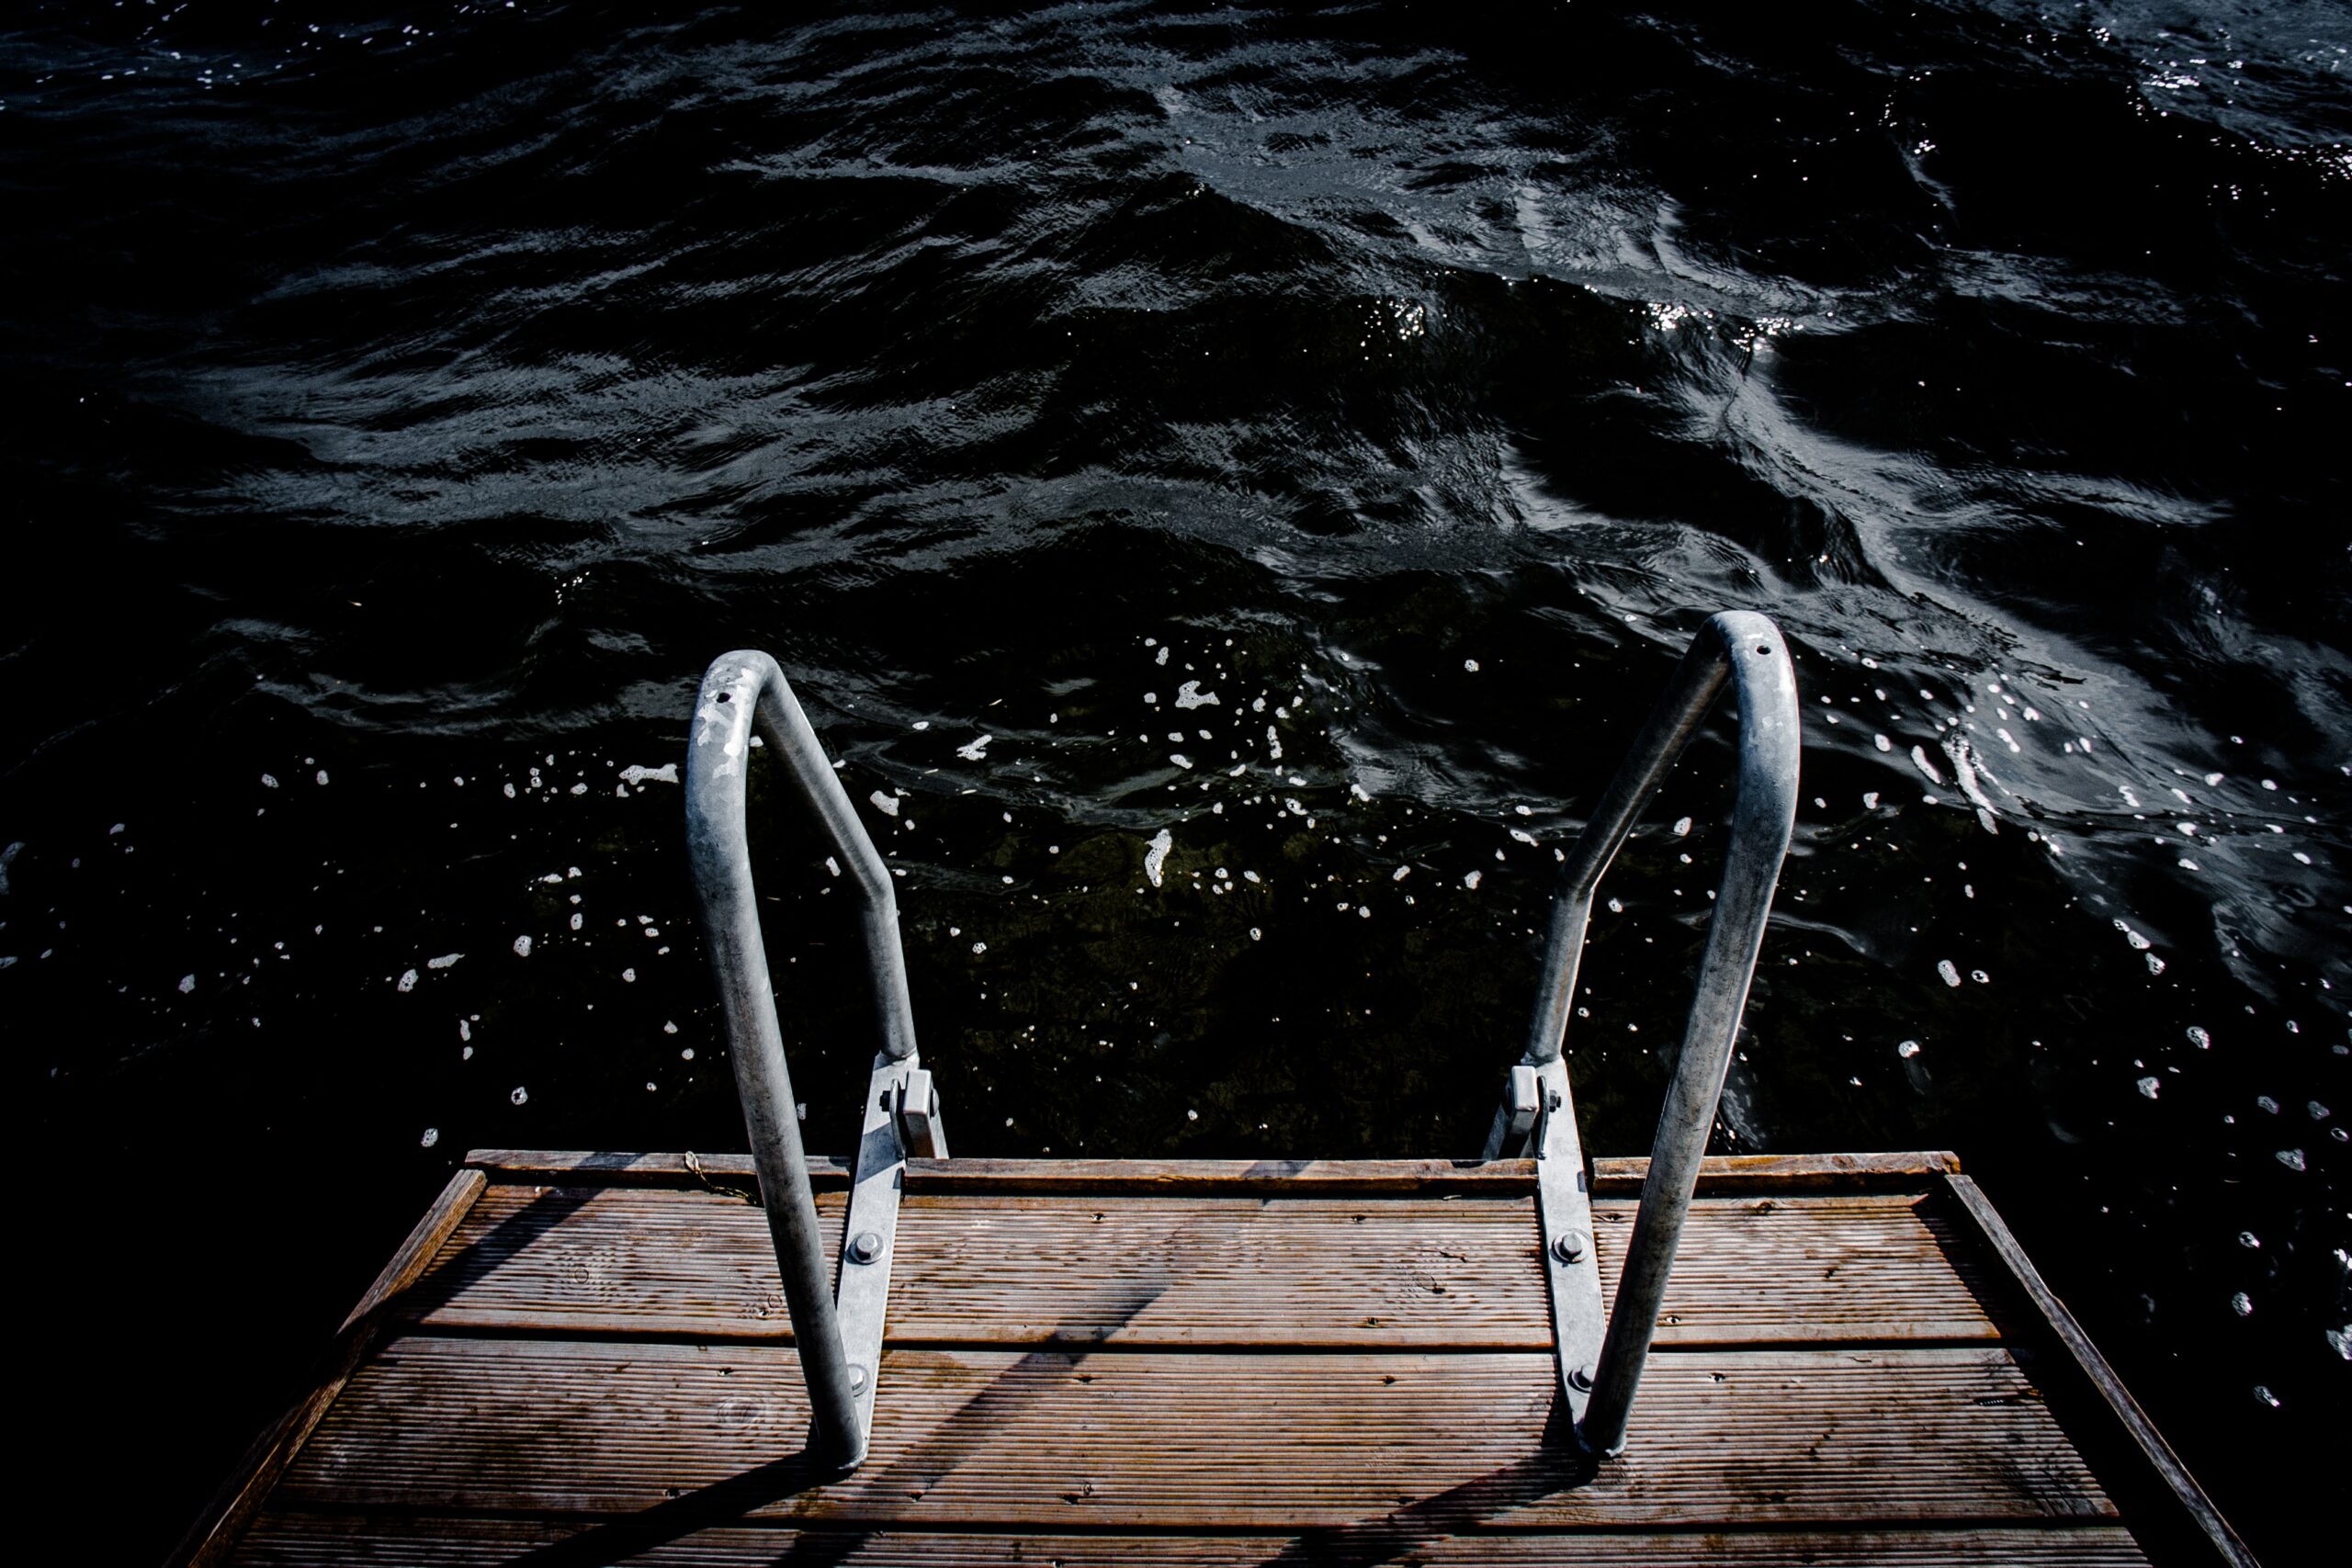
(405, 405)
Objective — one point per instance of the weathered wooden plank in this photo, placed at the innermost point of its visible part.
(1369, 1272)
(648, 1169)
(1623, 1176)
(2138, 1434)
(614, 1259)
(331, 1540)
(1900, 1170)
(1429, 1443)
(1872, 1268)
(224, 1517)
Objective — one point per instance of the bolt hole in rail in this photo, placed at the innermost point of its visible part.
(839, 1330)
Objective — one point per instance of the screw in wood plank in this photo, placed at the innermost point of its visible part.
(864, 1247)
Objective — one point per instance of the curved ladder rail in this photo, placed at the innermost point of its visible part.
(1598, 1372)
(840, 1340)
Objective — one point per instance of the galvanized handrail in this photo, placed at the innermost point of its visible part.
(1748, 650)
(742, 690)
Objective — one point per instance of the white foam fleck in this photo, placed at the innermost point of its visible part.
(884, 803)
(2292, 1158)
(444, 961)
(520, 1096)
(1189, 695)
(1882, 742)
(1180, 760)
(522, 950)
(432, 1136)
(979, 947)
(407, 981)
(2148, 1086)
(1919, 760)
(1908, 1049)
(1682, 827)
(977, 751)
(2199, 1039)
(630, 976)
(187, 983)
(1951, 973)
(1155, 855)
(1402, 873)
(321, 776)
(1965, 769)
(1162, 656)
(465, 1030)
(1471, 881)
(638, 773)
(1869, 800)
(268, 781)
(1471, 665)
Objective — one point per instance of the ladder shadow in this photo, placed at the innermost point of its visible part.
(1559, 1464)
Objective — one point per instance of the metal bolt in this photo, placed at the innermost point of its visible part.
(1580, 1379)
(1568, 1246)
(857, 1380)
(864, 1247)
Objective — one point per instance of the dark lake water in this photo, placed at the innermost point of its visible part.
(1310, 434)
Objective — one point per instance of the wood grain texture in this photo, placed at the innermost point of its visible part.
(1727, 1174)
(607, 1167)
(1623, 1176)
(217, 1529)
(326, 1541)
(1433, 1444)
(1362, 1272)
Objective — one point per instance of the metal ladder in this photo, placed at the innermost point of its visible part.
(839, 1332)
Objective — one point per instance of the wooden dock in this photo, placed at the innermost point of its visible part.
(584, 1358)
